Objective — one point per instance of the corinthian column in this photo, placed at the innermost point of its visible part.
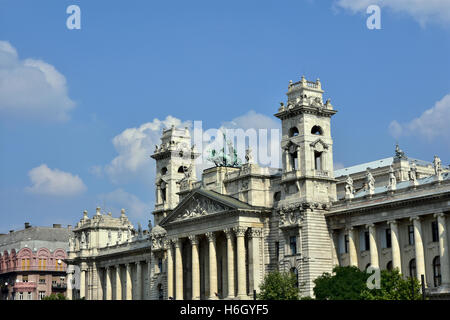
(241, 272)
(138, 280)
(118, 284)
(230, 263)
(128, 288)
(418, 244)
(108, 284)
(195, 268)
(443, 249)
(396, 259)
(169, 269)
(83, 283)
(373, 246)
(178, 271)
(212, 265)
(352, 247)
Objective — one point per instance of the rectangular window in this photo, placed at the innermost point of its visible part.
(388, 238)
(293, 244)
(346, 243)
(411, 234)
(366, 240)
(41, 294)
(41, 279)
(277, 250)
(435, 231)
(20, 296)
(24, 278)
(318, 160)
(30, 296)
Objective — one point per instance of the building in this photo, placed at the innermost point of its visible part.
(32, 262)
(216, 238)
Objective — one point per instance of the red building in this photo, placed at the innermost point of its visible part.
(32, 262)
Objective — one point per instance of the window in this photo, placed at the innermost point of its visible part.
(389, 266)
(277, 250)
(160, 262)
(20, 296)
(277, 196)
(163, 193)
(295, 272)
(295, 164)
(163, 170)
(160, 292)
(437, 271)
(41, 279)
(366, 240)
(346, 243)
(293, 244)
(316, 130)
(41, 294)
(182, 169)
(25, 278)
(30, 296)
(293, 132)
(412, 268)
(411, 234)
(318, 160)
(388, 238)
(435, 231)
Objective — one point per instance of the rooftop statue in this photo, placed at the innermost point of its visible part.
(222, 159)
(399, 154)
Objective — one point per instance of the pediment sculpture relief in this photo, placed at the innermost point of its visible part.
(200, 206)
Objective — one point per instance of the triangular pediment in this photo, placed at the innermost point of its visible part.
(318, 142)
(201, 203)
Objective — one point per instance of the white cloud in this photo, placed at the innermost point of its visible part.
(31, 89)
(119, 198)
(134, 146)
(54, 182)
(423, 11)
(432, 123)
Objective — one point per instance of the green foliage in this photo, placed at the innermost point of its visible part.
(279, 286)
(350, 283)
(53, 296)
(347, 283)
(394, 287)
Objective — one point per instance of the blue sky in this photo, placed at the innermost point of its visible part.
(67, 97)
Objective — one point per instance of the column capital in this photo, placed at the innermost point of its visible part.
(390, 222)
(255, 232)
(177, 243)
(439, 215)
(228, 232)
(211, 236)
(370, 225)
(193, 238)
(169, 243)
(240, 231)
(416, 218)
(137, 262)
(348, 229)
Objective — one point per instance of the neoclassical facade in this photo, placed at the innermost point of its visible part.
(217, 237)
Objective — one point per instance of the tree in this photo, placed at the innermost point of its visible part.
(394, 287)
(347, 283)
(279, 286)
(53, 296)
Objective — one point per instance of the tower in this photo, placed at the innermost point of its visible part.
(308, 184)
(175, 161)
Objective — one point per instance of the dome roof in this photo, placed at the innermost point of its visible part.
(158, 230)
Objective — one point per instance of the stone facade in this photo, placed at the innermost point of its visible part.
(218, 237)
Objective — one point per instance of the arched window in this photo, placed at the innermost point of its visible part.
(182, 169)
(412, 268)
(163, 170)
(437, 271)
(316, 130)
(163, 192)
(293, 132)
(295, 272)
(277, 196)
(389, 266)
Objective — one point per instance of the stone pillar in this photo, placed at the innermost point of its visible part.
(195, 268)
(82, 282)
(108, 283)
(169, 270)
(353, 255)
(230, 263)
(287, 163)
(178, 271)
(128, 288)
(151, 272)
(298, 158)
(99, 283)
(443, 249)
(212, 265)
(69, 283)
(241, 270)
(418, 244)
(118, 284)
(373, 246)
(254, 262)
(138, 280)
(395, 243)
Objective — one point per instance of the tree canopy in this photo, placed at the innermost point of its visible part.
(279, 286)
